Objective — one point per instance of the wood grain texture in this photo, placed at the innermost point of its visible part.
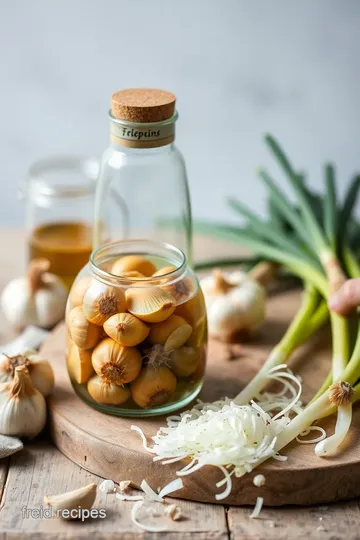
(106, 446)
(43, 464)
(4, 467)
(42, 470)
(335, 521)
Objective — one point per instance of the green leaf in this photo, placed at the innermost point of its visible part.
(297, 265)
(301, 194)
(350, 200)
(330, 206)
(276, 236)
(249, 262)
(287, 210)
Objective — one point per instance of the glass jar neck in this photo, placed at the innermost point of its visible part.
(141, 152)
(142, 135)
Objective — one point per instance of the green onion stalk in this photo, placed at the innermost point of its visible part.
(299, 331)
(313, 241)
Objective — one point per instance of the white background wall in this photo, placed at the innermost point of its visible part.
(239, 68)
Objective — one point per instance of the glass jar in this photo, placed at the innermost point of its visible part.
(59, 195)
(137, 330)
(142, 190)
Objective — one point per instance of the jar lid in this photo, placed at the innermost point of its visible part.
(143, 105)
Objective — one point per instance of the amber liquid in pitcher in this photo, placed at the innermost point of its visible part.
(66, 245)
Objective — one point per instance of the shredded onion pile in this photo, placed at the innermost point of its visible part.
(222, 434)
(234, 438)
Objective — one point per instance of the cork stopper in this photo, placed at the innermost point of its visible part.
(143, 105)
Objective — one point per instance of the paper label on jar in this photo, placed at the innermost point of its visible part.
(142, 136)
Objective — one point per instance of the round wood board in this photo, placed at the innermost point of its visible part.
(106, 446)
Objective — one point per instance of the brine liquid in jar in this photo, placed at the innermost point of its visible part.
(137, 330)
(59, 194)
(66, 245)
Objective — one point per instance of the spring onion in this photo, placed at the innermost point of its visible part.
(315, 240)
(316, 232)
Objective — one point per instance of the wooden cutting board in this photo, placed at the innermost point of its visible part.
(106, 446)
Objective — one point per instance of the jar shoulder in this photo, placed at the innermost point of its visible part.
(116, 157)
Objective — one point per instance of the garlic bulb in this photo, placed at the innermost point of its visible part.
(40, 370)
(22, 407)
(235, 304)
(38, 298)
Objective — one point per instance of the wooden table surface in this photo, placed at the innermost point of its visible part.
(41, 469)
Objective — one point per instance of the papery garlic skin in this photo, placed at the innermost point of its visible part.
(22, 407)
(40, 370)
(43, 307)
(238, 306)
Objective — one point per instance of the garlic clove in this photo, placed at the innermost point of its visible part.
(126, 329)
(150, 304)
(79, 364)
(198, 374)
(82, 498)
(192, 310)
(132, 274)
(184, 361)
(153, 387)
(130, 263)
(83, 333)
(42, 376)
(181, 290)
(22, 407)
(107, 486)
(79, 289)
(172, 333)
(101, 301)
(40, 371)
(115, 363)
(173, 512)
(178, 337)
(165, 270)
(107, 392)
(199, 333)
